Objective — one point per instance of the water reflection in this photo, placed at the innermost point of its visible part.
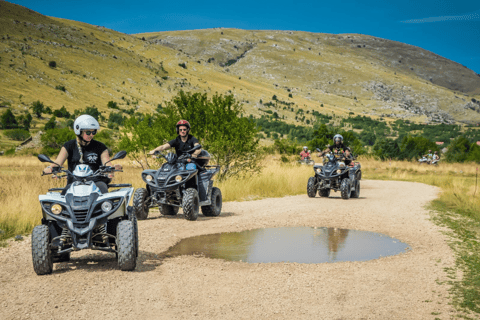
(291, 244)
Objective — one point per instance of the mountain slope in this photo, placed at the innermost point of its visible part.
(322, 72)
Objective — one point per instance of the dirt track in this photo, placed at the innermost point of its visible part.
(399, 287)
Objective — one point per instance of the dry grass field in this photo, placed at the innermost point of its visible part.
(21, 183)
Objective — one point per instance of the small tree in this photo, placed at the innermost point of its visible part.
(8, 120)
(51, 124)
(216, 122)
(38, 108)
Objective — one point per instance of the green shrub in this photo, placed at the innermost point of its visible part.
(52, 64)
(51, 124)
(61, 88)
(10, 152)
(62, 113)
(8, 120)
(54, 139)
(17, 134)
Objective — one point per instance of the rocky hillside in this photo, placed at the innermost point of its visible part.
(343, 74)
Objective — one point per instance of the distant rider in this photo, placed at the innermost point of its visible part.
(429, 156)
(305, 154)
(84, 150)
(436, 157)
(339, 147)
(183, 142)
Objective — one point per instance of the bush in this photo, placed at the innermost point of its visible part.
(51, 124)
(17, 134)
(8, 120)
(216, 122)
(54, 139)
(112, 105)
(38, 108)
(52, 64)
(183, 65)
(61, 88)
(62, 113)
(115, 120)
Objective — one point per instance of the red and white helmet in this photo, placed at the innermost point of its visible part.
(183, 123)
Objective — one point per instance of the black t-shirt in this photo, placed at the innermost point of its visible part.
(91, 154)
(341, 146)
(180, 146)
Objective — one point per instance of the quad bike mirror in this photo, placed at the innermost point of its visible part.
(198, 146)
(118, 155)
(44, 158)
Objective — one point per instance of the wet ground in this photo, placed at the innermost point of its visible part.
(291, 244)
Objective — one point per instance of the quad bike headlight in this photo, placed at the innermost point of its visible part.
(149, 178)
(56, 209)
(339, 171)
(318, 170)
(107, 206)
(178, 178)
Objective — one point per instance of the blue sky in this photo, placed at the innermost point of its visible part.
(448, 28)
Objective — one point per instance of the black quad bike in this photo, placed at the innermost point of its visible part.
(335, 175)
(85, 217)
(180, 183)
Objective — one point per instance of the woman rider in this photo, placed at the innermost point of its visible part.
(84, 150)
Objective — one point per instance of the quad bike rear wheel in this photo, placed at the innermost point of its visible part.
(356, 193)
(191, 204)
(140, 205)
(311, 188)
(345, 189)
(127, 255)
(168, 210)
(215, 208)
(41, 252)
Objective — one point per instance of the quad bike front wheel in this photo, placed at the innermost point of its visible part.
(311, 188)
(127, 255)
(41, 252)
(191, 204)
(140, 205)
(215, 208)
(345, 189)
(168, 210)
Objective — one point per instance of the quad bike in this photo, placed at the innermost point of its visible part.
(85, 218)
(307, 161)
(180, 183)
(423, 160)
(335, 175)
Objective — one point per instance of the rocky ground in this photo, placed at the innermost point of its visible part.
(404, 286)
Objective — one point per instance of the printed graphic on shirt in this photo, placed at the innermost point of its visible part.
(91, 157)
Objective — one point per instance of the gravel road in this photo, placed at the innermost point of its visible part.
(404, 286)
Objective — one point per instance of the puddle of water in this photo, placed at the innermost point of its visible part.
(291, 244)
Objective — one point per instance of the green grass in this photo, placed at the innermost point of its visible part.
(465, 235)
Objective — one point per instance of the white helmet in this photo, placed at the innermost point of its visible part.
(305, 147)
(337, 136)
(85, 122)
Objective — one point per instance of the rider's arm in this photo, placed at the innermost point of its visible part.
(62, 156)
(105, 157)
(161, 148)
(197, 152)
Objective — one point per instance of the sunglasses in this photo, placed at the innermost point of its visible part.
(94, 132)
(182, 129)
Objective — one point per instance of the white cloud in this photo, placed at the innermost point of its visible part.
(474, 16)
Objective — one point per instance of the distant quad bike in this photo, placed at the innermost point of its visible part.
(307, 161)
(85, 218)
(179, 183)
(335, 175)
